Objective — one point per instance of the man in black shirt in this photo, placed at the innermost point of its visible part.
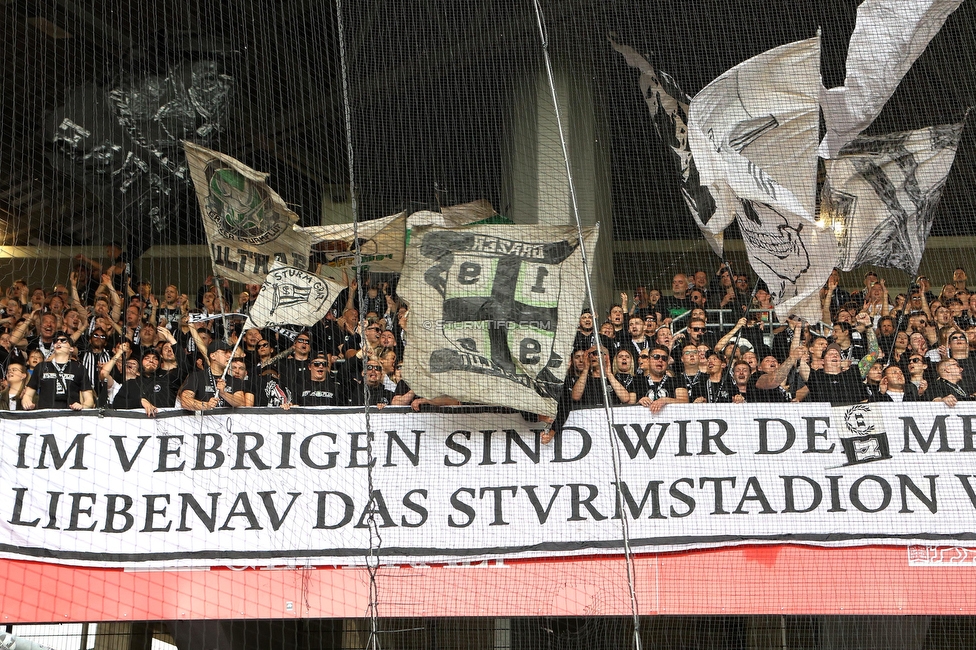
(678, 302)
(374, 392)
(322, 389)
(716, 389)
(588, 389)
(585, 336)
(207, 389)
(948, 388)
(59, 383)
(839, 387)
(658, 389)
(156, 386)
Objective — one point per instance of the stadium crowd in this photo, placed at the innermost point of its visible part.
(105, 340)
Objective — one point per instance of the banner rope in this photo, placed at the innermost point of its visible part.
(608, 412)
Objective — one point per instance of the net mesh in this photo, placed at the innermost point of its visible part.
(552, 409)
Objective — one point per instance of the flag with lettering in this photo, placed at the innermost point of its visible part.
(291, 296)
(248, 225)
(493, 312)
(881, 192)
(888, 37)
(382, 242)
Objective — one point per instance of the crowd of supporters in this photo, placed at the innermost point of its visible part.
(869, 346)
(103, 340)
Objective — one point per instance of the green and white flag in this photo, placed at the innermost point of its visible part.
(248, 225)
(493, 312)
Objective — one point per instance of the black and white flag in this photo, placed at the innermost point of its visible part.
(881, 192)
(291, 296)
(248, 225)
(888, 37)
(753, 132)
(493, 312)
(668, 106)
(862, 433)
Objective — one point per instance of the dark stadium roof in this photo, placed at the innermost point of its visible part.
(431, 84)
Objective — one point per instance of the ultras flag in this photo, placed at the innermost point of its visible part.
(888, 37)
(668, 106)
(754, 132)
(291, 296)
(248, 225)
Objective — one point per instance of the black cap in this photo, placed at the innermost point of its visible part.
(61, 333)
(586, 310)
(217, 345)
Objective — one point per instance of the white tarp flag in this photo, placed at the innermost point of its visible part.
(291, 296)
(881, 193)
(753, 132)
(248, 225)
(668, 106)
(754, 129)
(493, 312)
(888, 37)
(382, 242)
(793, 257)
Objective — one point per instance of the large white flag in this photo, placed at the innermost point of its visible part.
(754, 129)
(753, 132)
(291, 296)
(881, 192)
(888, 37)
(668, 106)
(248, 225)
(493, 312)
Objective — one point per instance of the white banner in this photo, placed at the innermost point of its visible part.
(793, 257)
(248, 225)
(753, 131)
(382, 242)
(271, 487)
(291, 296)
(888, 37)
(493, 312)
(881, 193)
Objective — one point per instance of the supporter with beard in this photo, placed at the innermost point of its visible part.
(678, 302)
(372, 392)
(834, 384)
(657, 389)
(588, 391)
(322, 388)
(157, 388)
(585, 336)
